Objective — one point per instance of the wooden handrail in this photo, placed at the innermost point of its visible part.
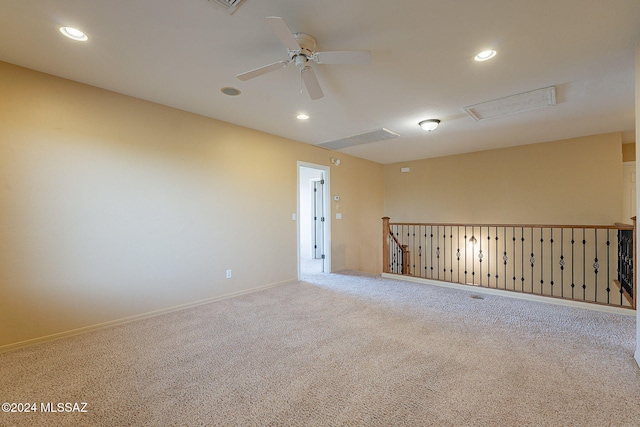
(616, 226)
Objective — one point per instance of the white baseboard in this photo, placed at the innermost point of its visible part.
(517, 295)
(122, 321)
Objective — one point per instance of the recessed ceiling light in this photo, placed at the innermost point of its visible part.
(74, 34)
(302, 117)
(485, 55)
(231, 91)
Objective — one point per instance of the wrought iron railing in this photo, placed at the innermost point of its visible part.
(579, 262)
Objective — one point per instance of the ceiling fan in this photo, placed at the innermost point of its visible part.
(302, 50)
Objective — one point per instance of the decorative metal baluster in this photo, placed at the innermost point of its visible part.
(425, 245)
(541, 262)
(497, 262)
(573, 263)
(584, 266)
(413, 245)
(621, 262)
(504, 257)
(438, 250)
(444, 254)
(431, 246)
(473, 258)
(488, 257)
(465, 255)
(562, 262)
(480, 255)
(458, 250)
(394, 250)
(451, 252)
(596, 265)
(551, 258)
(608, 289)
(419, 251)
(522, 263)
(390, 240)
(532, 260)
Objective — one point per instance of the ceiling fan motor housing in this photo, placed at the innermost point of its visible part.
(307, 44)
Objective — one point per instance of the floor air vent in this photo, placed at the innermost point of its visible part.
(363, 138)
(229, 5)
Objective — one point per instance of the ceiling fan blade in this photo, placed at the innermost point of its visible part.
(361, 57)
(281, 29)
(311, 83)
(262, 70)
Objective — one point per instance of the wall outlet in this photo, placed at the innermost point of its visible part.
(228, 274)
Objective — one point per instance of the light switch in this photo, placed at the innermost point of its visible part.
(338, 215)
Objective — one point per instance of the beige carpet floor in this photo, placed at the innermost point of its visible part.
(339, 350)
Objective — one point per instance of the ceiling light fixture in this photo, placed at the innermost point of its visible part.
(302, 116)
(485, 55)
(74, 34)
(231, 91)
(429, 125)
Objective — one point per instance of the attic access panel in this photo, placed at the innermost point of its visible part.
(513, 104)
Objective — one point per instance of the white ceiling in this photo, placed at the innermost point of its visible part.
(180, 53)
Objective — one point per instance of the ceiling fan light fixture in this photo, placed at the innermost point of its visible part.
(74, 34)
(485, 55)
(429, 125)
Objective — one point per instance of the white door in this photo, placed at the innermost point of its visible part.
(318, 219)
(628, 191)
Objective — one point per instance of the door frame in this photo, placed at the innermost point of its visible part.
(327, 213)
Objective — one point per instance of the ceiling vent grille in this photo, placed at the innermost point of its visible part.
(229, 5)
(363, 138)
(513, 104)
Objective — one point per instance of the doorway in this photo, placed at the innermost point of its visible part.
(313, 220)
(628, 192)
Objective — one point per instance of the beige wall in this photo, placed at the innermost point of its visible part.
(629, 152)
(112, 207)
(575, 181)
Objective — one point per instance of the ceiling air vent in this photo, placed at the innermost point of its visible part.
(519, 103)
(363, 138)
(229, 5)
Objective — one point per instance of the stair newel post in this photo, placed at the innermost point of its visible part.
(385, 244)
